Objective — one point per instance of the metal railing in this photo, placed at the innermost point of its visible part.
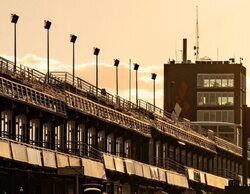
(230, 147)
(184, 135)
(87, 151)
(104, 113)
(166, 116)
(228, 174)
(32, 78)
(26, 94)
(90, 91)
(170, 164)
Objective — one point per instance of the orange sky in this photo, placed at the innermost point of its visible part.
(147, 31)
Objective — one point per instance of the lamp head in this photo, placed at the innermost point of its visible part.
(96, 51)
(73, 38)
(116, 62)
(136, 66)
(47, 24)
(153, 76)
(14, 18)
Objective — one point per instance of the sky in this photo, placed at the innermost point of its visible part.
(149, 32)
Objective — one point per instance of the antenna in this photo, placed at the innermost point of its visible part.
(196, 48)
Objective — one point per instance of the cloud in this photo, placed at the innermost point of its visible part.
(38, 63)
(93, 64)
(147, 79)
(148, 69)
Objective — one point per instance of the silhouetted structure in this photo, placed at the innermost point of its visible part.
(210, 93)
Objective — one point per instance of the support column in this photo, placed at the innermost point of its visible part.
(245, 132)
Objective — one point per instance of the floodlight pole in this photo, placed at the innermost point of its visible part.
(96, 52)
(153, 78)
(14, 46)
(48, 54)
(47, 25)
(14, 19)
(136, 67)
(116, 64)
(73, 40)
(96, 63)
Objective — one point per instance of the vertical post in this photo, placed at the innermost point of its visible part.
(14, 19)
(246, 113)
(136, 87)
(14, 47)
(73, 40)
(96, 52)
(116, 64)
(47, 25)
(117, 80)
(136, 67)
(48, 54)
(154, 95)
(96, 74)
(153, 78)
(73, 64)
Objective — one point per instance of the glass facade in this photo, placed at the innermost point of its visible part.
(215, 98)
(216, 115)
(215, 80)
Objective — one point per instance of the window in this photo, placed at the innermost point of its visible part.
(183, 156)
(189, 159)
(80, 138)
(216, 115)
(70, 135)
(33, 131)
(59, 137)
(171, 152)
(6, 117)
(210, 165)
(157, 153)
(205, 163)
(215, 98)
(110, 143)
(194, 160)
(101, 140)
(215, 80)
(127, 148)
(91, 140)
(46, 135)
(118, 146)
(230, 83)
(20, 127)
(200, 162)
(164, 154)
(177, 154)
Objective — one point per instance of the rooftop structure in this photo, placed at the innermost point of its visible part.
(210, 93)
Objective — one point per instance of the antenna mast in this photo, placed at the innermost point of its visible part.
(197, 36)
